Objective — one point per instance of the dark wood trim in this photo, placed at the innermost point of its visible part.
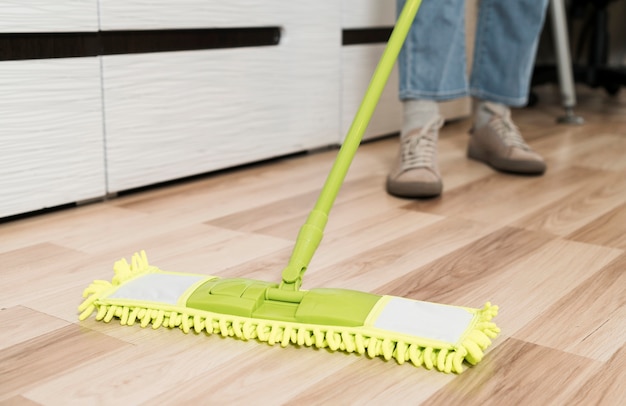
(133, 42)
(48, 45)
(23, 46)
(357, 36)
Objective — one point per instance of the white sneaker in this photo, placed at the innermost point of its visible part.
(415, 172)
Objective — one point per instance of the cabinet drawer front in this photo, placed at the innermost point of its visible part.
(358, 65)
(156, 14)
(48, 16)
(51, 133)
(175, 114)
(368, 13)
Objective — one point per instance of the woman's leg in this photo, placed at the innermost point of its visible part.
(432, 63)
(507, 35)
(504, 56)
(432, 67)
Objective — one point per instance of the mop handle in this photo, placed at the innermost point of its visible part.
(312, 231)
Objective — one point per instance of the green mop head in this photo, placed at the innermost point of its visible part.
(425, 334)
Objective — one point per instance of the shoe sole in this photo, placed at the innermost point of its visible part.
(506, 165)
(414, 189)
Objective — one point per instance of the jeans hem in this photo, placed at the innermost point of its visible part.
(497, 98)
(435, 96)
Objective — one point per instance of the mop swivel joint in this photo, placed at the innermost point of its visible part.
(308, 240)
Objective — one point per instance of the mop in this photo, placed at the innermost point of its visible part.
(432, 335)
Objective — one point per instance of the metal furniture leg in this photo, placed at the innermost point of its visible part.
(564, 62)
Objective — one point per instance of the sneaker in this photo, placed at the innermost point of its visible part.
(415, 172)
(499, 144)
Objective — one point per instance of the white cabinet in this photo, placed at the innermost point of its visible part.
(175, 114)
(51, 142)
(77, 128)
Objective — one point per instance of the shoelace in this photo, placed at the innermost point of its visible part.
(508, 132)
(418, 148)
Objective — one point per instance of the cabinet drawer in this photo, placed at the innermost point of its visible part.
(51, 133)
(176, 114)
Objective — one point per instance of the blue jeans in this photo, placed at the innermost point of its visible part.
(432, 62)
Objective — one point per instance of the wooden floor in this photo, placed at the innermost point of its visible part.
(550, 251)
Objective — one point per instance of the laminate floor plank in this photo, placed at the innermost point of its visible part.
(602, 194)
(21, 324)
(582, 147)
(387, 383)
(32, 271)
(369, 269)
(510, 375)
(18, 401)
(470, 267)
(504, 199)
(136, 373)
(32, 362)
(527, 287)
(608, 159)
(606, 387)
(338, 247)
(263, 381)
(68, 227)
(293, 208)
(608, 230)
(589, 321)
(350, 208)
(250, 188)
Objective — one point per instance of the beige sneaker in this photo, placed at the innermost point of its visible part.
(415, 172)
(499, 144)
